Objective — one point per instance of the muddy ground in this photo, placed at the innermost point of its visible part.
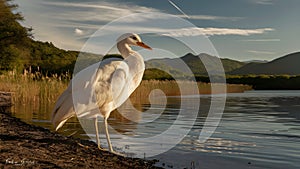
(27, 146)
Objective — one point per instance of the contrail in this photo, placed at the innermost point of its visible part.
(172, 3)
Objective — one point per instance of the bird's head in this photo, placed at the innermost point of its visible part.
(133, 40)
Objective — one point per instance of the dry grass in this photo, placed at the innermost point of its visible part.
(173, 88)
(29, 91)
(25, 88)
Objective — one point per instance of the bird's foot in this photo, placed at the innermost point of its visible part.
(119, 154)
(102, 149)
(111, 151)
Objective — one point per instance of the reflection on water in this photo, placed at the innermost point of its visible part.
(259, 129)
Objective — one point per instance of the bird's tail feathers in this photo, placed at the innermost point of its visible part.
(63, 109)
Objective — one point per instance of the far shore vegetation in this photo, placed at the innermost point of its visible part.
(262, 82)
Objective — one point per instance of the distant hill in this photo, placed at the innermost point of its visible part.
(194, 63)
(288, 65)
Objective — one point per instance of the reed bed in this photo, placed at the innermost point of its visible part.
(33, 89)
(32, 94)
(178, 88)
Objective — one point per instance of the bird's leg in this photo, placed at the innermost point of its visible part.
(108, 139)
(107, 135)
(97, 133)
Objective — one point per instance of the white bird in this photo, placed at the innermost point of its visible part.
(112, 83)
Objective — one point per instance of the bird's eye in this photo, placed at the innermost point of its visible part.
(134, 38)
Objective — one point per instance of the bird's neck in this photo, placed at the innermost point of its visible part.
(124, 49)
(134, 60)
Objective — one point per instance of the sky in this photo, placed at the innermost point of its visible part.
(237, 29)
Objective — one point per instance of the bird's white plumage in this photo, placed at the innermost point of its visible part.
(102, 87)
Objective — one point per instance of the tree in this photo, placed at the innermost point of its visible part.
(12, 37)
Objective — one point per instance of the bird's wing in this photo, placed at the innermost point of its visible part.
(120, 84)
(82, 95)
(111, 81)
(63, 109)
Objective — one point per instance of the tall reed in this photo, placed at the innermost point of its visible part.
(172, 88)
(33, 88)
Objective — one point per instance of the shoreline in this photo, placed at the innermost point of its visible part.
(29, 146)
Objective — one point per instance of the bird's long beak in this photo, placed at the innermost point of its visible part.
(141, 44)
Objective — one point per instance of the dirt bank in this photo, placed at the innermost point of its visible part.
(28, 146)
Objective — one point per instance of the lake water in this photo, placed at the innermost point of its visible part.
(258, 129)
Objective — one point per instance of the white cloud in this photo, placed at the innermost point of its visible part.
(261, 40)
(263, 2)
(106, 12)
(60, 21)
(100, 11)
(78, 31)
(217, 31)
(261, 52)
(211, 17)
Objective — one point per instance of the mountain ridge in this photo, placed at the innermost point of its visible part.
(287, 64)
(194, 63)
